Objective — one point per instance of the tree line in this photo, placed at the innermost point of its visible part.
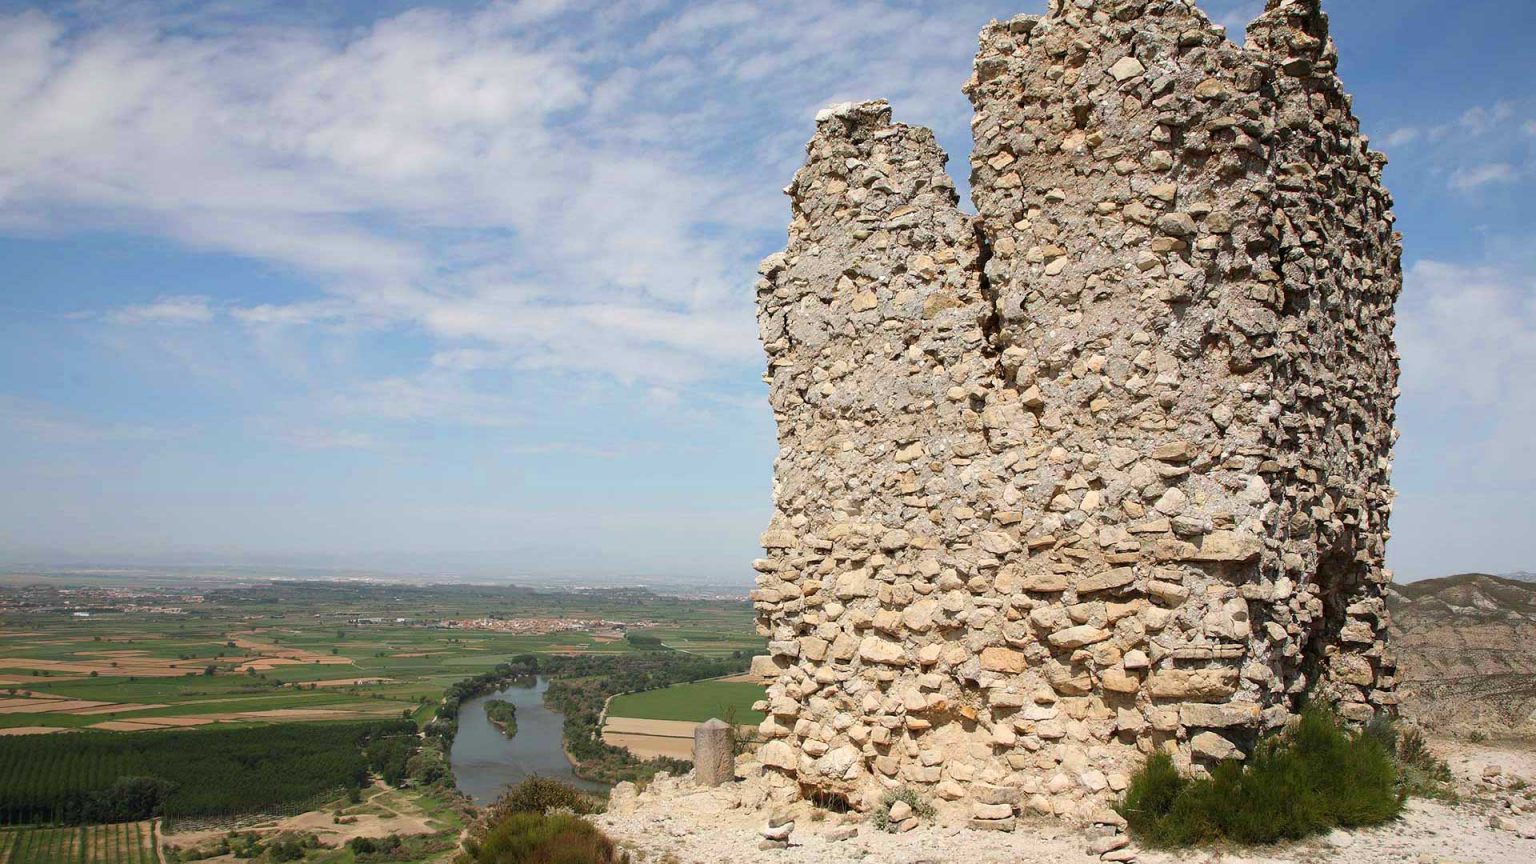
(91, 777)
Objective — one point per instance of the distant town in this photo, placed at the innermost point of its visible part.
(89, 601)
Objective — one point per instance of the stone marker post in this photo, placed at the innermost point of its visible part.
(713, 761)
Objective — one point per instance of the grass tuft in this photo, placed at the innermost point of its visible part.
(1313, 777)
(881, 818)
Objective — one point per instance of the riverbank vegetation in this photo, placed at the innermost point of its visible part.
(579, 686)
(503, 715)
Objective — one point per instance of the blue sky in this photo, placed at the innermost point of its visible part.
(467, 287)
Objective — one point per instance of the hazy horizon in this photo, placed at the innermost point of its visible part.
(208, 570)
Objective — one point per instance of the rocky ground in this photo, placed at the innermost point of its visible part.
(676, 822)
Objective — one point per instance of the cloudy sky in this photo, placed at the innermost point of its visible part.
(466, 287)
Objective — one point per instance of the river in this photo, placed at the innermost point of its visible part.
(486, 761)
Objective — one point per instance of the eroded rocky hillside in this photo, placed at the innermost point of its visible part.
(1466, 649)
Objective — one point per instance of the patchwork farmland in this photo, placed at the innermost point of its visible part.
(305, 651)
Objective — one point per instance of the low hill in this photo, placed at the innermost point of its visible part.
(1466, 648)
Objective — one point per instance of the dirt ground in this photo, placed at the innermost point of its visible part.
(48, 706)
(1492, 822)
(31, 730)
(401, 818)
(271, 655)
(651, 746)
(657, 728)
(168, 722)
(117, 708)
(141, 667)
(649, 739)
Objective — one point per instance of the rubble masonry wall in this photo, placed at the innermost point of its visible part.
(1104, 468)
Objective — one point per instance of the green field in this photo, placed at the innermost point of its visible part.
(692, 702)
(123, 843)
(160, 685)
(287, 651)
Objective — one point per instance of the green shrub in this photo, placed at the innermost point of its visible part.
(285, 850)
(1313, 777)
(374, 845)
(536, 838)
(644, 641)
(541, 795)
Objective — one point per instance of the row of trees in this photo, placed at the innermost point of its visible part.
(108, 777)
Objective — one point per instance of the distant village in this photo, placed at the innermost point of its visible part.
(85, 601)
(598, 627)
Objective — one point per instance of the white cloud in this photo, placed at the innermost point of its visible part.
(316, 312)
(1237, 18)
(166, 310)
(1468, 332)
(1483, 119)
(1468, 341)
(562, 186)
(327, 439)
(1483, 146)
(1476, 124)
(42, 423)
(549, 448)
(1467, 458)
(429, 397)
(1475, 177)
(371, 164)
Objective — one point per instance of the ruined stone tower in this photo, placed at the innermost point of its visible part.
(1104, 468)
